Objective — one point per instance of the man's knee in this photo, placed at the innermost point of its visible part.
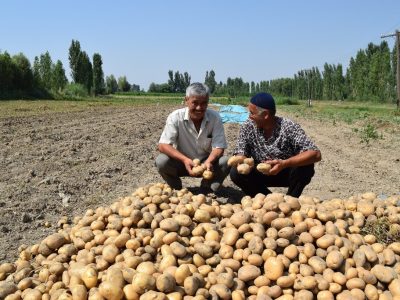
(235, 176)
(223, 164)
(162, 162)
(304, 174)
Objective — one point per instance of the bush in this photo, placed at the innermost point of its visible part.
(74, 91)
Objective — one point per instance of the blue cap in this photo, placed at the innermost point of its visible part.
(263, 100)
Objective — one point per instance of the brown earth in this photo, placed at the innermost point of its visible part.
(61, 164)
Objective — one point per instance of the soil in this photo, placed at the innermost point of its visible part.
(61, 164)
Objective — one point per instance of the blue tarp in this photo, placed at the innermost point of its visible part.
(232, 113)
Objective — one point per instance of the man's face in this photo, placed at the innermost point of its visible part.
(254, 115)
(197, 107)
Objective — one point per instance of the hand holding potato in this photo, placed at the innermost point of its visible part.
(277, 165)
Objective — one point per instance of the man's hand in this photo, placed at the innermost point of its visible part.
(189, 165)
(277, 165)
(208, 165)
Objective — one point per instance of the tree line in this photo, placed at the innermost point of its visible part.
(370, 75)
(47, 79)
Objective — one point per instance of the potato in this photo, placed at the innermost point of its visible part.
(142, 282)
(198, 170)
(334, 259)
(285, 281)
(33, 294)
(249, 161)
(110, 252)
(110, 291)
(208, 175)
(243, 169)
(78, 292)
(235, 160)
(196, 162)
(264, 168)
(317, 264)
(248, 272)
(383, 274)
(7, 288)
(221, 291)
(273, 268)
(89, 277)
(165, 283)
(129, 292)
(240, 218)
(371, 292)
(55, 241)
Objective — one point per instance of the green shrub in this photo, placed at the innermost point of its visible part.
(369, 133)
(74, 91)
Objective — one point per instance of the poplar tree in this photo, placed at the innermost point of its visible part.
(59, 80)
(98, 75)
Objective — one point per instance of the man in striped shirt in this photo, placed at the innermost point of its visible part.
(279, 142)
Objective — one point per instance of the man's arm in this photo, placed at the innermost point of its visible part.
(215, 154)
(302, 159)
(170, 151)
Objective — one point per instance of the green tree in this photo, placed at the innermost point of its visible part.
(23, 76)
(59, 80)
(85, 71)
(98, 75)
(45, 70)
(186, 80)
(171, 82)
(135, 87)
(74, 59)
(111, 84)
(210, 81)
(36, 72)
(6, 74)
(159, 88)
(123, 84)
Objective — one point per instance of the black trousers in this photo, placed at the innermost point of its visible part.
(295, 179)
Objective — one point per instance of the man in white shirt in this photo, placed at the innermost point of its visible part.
(193, 132)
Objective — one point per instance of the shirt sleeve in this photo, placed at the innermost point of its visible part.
(242, 145)
(301, 142)
(218, 134)
(170, 132)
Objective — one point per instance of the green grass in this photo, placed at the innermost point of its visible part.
(348, 112)
(369, 120)
(384, 231)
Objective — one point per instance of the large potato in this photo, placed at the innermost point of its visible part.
(264, 168)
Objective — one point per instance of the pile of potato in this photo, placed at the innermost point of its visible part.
(160, 243)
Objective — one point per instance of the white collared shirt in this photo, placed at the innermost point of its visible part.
(180, 132)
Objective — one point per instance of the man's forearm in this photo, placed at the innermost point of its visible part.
(215, 154)
(171, 152)
(303, 159)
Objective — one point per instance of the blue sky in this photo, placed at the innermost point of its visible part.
(255, 40)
